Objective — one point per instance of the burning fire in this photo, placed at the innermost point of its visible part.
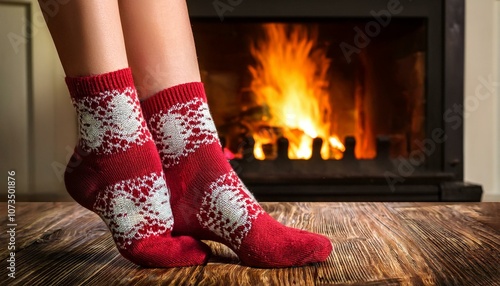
(290, 79)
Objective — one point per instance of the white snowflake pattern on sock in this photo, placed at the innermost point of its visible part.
(111, 121)
(136, 208)
(182, 129)
(228, 209)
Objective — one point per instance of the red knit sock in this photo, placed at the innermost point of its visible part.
(208, 199)
(116, 172)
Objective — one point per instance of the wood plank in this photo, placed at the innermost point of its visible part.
(458, 249)
(374, 244)
(36, 220)
(486, 213)
(364, 249)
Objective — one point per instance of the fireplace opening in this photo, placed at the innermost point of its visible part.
(345, 100)
(313, 79)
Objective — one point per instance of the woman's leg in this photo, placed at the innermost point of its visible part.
(88, 37)
(160, 46)
(115, 170)
(208, 199)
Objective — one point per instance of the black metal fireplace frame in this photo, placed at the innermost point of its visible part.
(442, 175)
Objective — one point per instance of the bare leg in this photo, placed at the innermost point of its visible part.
(88, 37)
(160, 45)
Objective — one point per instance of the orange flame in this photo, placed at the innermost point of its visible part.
(290, 79)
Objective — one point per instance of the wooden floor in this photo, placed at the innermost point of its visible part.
(374, 244)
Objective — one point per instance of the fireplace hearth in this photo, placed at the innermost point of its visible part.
(337, 100)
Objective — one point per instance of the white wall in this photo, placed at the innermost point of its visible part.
(52, 129)
(482, 125)
(14, 96)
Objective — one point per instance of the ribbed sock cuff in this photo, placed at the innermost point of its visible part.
(91, 85)
(166, 98)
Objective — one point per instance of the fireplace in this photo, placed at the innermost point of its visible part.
(338, 100)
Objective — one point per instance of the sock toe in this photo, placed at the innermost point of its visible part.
(284, 246)
(180, 251)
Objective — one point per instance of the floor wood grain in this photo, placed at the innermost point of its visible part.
(374, 244)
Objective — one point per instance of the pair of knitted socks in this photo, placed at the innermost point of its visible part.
(155, 173)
